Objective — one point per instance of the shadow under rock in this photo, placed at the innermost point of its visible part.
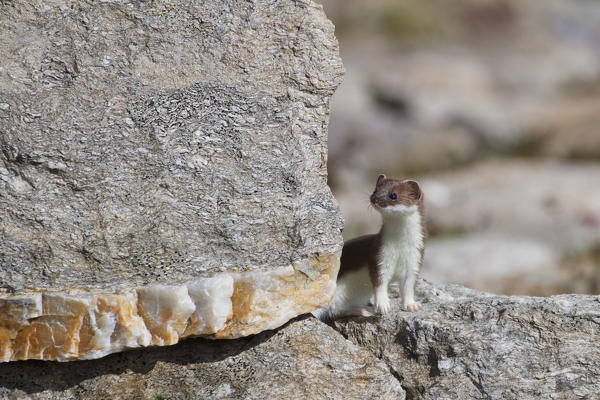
(34, 376)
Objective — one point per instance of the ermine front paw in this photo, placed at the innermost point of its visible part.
(382, 306)
(412, 306)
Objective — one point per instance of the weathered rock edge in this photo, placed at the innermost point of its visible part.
(83, 324)
(466, 344)
(304, 359)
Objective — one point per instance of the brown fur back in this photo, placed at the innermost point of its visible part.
(359, 252)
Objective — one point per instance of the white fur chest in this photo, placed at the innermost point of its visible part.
(401, 244)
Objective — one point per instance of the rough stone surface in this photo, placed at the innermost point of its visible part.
(304, 360)
(466, 344)
(149, 150)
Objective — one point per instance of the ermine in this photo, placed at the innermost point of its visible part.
(394, 255)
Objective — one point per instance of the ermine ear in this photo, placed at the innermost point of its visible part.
(380, 179)
(415, 190)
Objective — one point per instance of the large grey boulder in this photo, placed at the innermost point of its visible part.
(162, 172)
(466, 344)
(303, 360)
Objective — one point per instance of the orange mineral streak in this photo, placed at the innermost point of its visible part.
(7, 337)
(85, 336)
(163, 333)
(74, 325)
(49, 338)
(121, 307)
(153, 326)
(125, 308)
(168, 322)
(72, 339)
(253, 308)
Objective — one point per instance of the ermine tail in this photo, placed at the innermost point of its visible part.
(321, 313)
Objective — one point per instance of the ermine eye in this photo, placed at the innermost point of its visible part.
(393, 196)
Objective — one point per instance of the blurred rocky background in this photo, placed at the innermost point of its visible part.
(494, 106)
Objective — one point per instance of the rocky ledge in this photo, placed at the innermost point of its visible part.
(464, 344)
(305, 359)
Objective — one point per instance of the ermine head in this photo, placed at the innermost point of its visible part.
(396, 197)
